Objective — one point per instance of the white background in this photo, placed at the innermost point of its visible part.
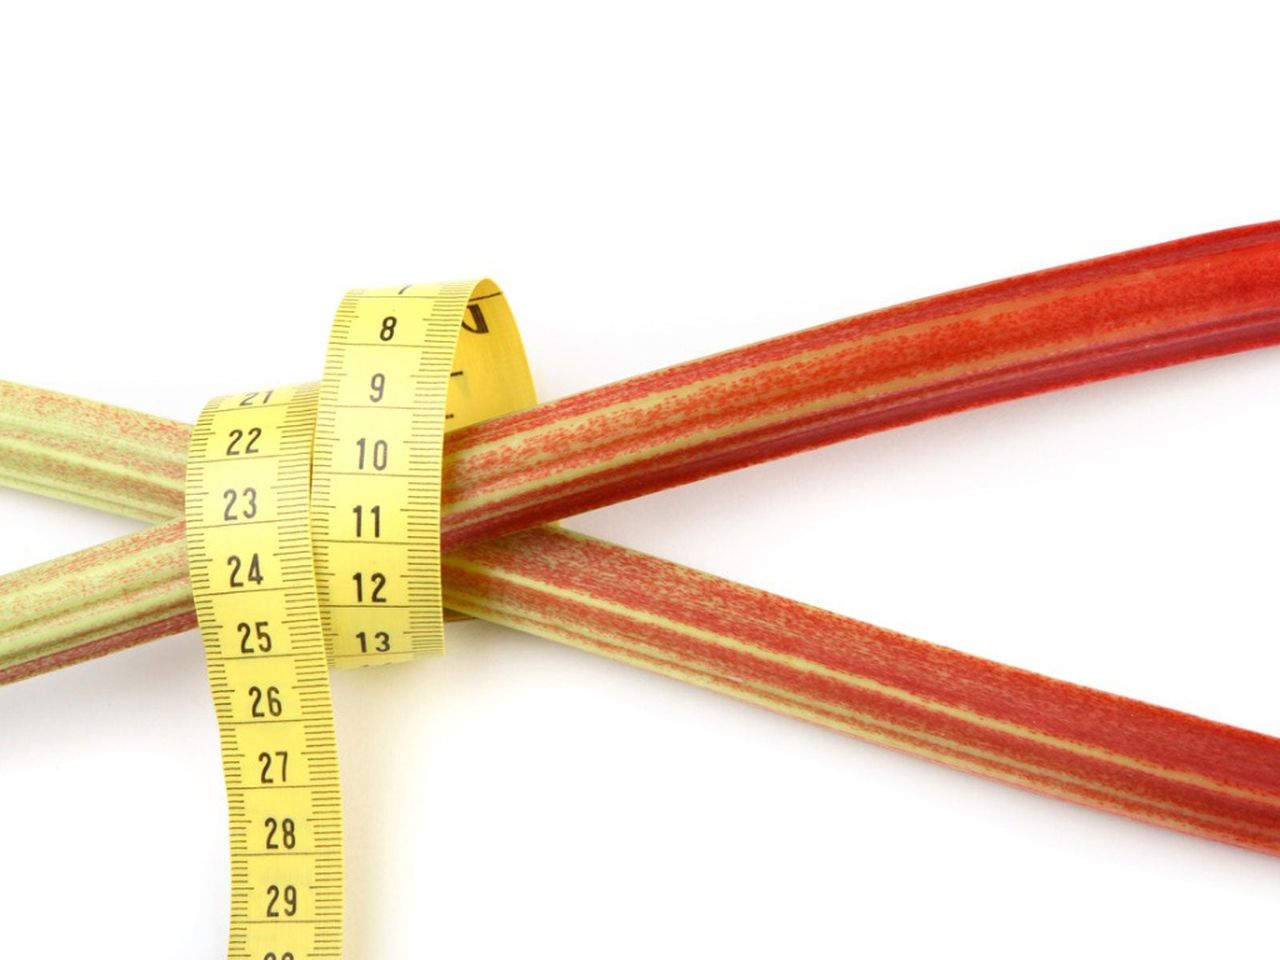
(184, 197)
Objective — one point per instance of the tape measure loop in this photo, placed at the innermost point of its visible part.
(404, 365)
(313, 532)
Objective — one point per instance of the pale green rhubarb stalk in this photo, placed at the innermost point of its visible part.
(1166, 304)
(1055, 738)
(111, 596)
(95, 602)
(134, 466)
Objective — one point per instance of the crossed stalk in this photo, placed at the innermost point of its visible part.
(507, 478)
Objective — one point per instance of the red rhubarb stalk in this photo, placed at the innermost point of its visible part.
(1056, 738)
(1161, 305)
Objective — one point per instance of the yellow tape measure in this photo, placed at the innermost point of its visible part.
(249, 549)
(402, 364)
(277, 605)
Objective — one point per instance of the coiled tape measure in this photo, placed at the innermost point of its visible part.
(313, 537)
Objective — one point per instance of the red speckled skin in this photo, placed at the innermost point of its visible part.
(1058, 738)
(1179, 301)
(101, 646)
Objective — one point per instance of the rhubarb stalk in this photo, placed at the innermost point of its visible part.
(1054, 738)
(91, 453)
(1176, 302)
(1161, 305)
